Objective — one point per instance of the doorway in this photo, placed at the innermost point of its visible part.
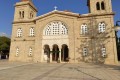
(46, 52)
(55, 53)
(64, 53)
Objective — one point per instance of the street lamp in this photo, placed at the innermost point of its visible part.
(117, 26)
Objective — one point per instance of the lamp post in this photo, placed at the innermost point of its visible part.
(117, 26)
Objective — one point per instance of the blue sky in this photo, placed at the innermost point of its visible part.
(44, 6)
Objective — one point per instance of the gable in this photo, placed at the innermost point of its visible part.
(58, 13)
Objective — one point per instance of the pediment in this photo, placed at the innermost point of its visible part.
(65, 13)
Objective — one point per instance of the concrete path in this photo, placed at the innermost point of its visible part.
(55, 71)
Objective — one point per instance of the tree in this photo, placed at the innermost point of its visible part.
(117, 40)
(118, 47)
(93, 42)
(4, 45)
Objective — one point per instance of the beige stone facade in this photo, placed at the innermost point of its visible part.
(63, 36)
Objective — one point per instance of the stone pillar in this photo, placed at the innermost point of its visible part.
(50, 54)
(0, 55)
(60, 53)
(6, 56)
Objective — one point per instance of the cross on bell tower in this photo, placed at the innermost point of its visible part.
(26, 0)
(55, 8)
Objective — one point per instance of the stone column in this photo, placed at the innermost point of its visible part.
(50, 54)
(0, 55)
(6, 57)
(60, 53)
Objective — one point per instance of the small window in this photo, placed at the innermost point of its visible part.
(98, 6)
(103, 51)
(85, 51)
(21, 14)
(32, 31)
(17, 51)
(30, 52)
(101, 27)
(102, 5)
(84, 29)
(31, 14)
(19, 32)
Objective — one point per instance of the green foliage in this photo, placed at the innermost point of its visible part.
(118, 45)
(4, 43)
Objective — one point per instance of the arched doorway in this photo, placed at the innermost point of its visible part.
(64, 53)
(46, 52)
(55, 53)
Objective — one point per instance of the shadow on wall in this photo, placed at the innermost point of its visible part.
(94, 42)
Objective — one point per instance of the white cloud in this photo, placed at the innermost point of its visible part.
(4, 34)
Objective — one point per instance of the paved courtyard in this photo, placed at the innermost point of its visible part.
(52, 71)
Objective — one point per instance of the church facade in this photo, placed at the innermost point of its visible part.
(64, 36)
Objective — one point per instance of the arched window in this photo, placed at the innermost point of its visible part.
(32, 33)
(102, 5)
(103, 51)
(22, 14)
(85, 51)
(84, 29)
(98, 6)
(17, 51)
(101, 27)
(19, 32)
(55, 28)
(31, 14)
(30, 52)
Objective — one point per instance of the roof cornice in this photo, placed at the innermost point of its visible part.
(64, 13)
(24, 21)
(94, 15)
(26, 3)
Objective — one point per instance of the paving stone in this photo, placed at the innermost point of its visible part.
(50, 71)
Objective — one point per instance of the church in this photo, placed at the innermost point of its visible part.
(64, 36)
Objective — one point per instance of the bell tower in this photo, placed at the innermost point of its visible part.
(24, 10)
(99, 6)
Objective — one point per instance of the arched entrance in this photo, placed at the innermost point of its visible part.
(64, 53)
(46, 52)
(55, 34)
(55, 53)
